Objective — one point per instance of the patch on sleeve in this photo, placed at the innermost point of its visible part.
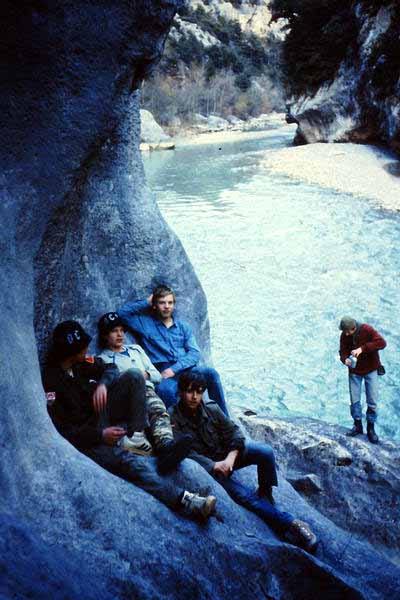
(50, 397)
(89, 359)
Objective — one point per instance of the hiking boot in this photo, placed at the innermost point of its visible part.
(300, 534)
(357, 428)
(172, 453)
(373, 438)
(198, 506)
(266, 494)
(137, 443)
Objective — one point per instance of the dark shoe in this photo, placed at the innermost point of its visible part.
(198, 506)
(267, 495)
(173, 453)
(357, 428)
(300, 534)
(373, 438)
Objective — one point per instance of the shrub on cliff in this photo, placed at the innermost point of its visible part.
(319, 34)
(192, 91)
(383, 67)
(237, 56)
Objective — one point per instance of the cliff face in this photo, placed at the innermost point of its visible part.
(79, 233)
(221, 58)
(252, 15)
(362, 103)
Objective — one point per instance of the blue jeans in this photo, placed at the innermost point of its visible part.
(168, 388)
(139, 470)
(371, 393)
(261, 455)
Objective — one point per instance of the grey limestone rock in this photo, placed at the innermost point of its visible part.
(362, 103)
(80, 233)
(357, 483)
(151, 131)
(306, 484)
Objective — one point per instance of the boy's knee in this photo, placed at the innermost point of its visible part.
(133, 378)
(213, 373)
(266, 452)
(209, 372)
(133, 375)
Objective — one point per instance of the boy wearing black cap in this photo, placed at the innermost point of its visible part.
(87, 399)
(97, 410)
(114, 351)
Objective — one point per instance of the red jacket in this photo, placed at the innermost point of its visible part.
(370, 342)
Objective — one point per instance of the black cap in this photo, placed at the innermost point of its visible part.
(108, 321)
(69, 338)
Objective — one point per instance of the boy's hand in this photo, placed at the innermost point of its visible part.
(111, 435)
(100, 398)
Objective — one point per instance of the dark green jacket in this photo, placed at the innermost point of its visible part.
(214, 434)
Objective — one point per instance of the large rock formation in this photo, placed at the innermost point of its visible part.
(362, 103)
(80, 233)
(355, 484)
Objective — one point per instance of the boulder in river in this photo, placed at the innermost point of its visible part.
(216, 123)
(152, 135)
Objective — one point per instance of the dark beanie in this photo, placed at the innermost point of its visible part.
(108, 321)
(69, 338)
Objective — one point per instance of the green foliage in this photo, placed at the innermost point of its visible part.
(189, 49)
(168, 97)
(243, 81)
(236, 50)
(184, 10)
(373, 6)
(320, 32)
(226, 71)
(384, 61)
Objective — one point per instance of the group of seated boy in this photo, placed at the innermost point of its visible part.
(113, 408)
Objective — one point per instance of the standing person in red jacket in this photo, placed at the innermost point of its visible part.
(359, 345)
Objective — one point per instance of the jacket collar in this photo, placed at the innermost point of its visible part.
(159, 323)
(110, 353)
(188, 416)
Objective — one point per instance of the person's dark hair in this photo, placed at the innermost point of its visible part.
(160, 292)
(106, 324)
(190, 380)
(347, 323)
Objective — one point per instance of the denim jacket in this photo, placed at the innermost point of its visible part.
(136, 359)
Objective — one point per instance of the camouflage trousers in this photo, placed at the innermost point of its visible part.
(160, 430)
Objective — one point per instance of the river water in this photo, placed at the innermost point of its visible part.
(280, 262)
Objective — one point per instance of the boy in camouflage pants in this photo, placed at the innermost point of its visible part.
(111, 338)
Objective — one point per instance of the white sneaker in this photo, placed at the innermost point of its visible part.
(137, 443)
(196, 505)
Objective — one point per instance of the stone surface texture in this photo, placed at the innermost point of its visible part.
(151, 131)
(80, 233)
(353, 107)
(354, 483)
